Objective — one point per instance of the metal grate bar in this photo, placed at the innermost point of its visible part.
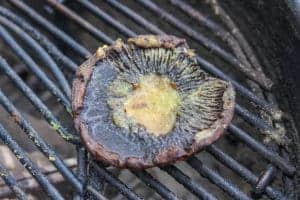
(98, 195)
(29, 165)
(89, 27)
(28, 183)
(210, 45)
(262, 150)
(137, 18)
(43, 55)
(44, 41)
(187, 182)
(33, 66)
(214, 177)
(50, 118)
(115, 182)
(100, 13)
(11, 74)
(81, 168)
(228, 37)
(156, 185)
(205, 64)
(81, 163)
(204, 20)
(39, 142)
(11, 182)
(242, 171)
(253, 119)
(83, 52)
(265, 179)
(235, 31)
(85, 24)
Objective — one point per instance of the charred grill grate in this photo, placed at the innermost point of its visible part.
(15, 30)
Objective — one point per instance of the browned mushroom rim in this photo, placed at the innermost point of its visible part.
(148, 102)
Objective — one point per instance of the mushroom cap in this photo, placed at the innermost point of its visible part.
(148, 103)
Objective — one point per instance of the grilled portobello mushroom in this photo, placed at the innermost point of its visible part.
(148, 103)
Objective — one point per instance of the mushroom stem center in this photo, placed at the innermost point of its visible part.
(154, 104)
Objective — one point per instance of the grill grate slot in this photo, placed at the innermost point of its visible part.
(39, 42)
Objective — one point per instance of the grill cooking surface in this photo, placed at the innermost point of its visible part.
(43, 42)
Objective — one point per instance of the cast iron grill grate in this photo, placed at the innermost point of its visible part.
(22, 25)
